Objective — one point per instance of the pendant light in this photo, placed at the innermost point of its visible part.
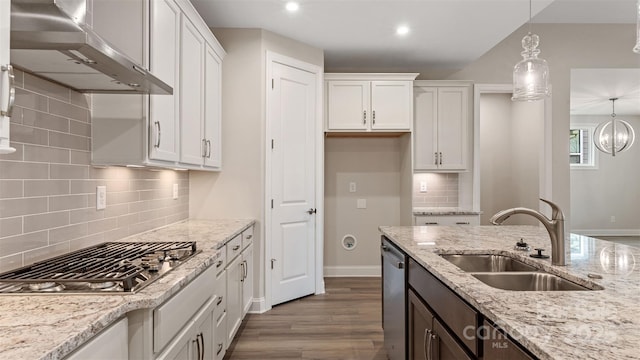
(636, 49)
(531, 74)
(614, 136)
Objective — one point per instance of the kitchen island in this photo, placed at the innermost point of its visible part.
(592, 324)
(35, 326)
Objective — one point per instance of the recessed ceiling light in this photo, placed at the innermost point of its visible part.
(402, 30)
(292, 6)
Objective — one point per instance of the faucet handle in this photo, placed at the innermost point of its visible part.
(539, 255)
(556, 213)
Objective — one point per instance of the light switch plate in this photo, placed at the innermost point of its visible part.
(101, 197)
(361, 204)
(175, 191)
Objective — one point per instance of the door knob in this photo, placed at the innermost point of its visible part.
(311, 211)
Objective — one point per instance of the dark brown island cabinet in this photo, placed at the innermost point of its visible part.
(442, 325)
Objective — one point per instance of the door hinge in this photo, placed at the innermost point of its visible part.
(273, 86)
(272, 203)
(272, 261)
(272, 144)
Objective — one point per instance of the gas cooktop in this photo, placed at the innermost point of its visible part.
(108, 268)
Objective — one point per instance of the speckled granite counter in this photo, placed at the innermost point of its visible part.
(417, 211)
(51, 326)
(599, 324)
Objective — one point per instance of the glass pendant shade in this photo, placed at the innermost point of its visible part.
(636, 49)
(614, 136)
(531, 74)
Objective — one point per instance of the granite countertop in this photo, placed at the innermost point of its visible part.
(443, 211)
(51, 326)
(598, 324)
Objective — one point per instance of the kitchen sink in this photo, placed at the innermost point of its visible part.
(530, 281)
(487, 263)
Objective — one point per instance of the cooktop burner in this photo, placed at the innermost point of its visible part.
(110, 268)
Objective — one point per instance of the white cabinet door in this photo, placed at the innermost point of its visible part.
(111, 344)
(453, 119)
(348, 105)
(164, 63)
(247, 282)
(205, 335)
(213, 109)
(441, 129)
(234, 297)
(192, 144)
(391, 105)
(425, 128)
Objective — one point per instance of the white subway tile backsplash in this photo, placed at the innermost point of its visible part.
(442, 190)
(47, 187)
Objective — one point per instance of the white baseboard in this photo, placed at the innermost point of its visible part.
(355, 271)
(607, 232)
(258, 306)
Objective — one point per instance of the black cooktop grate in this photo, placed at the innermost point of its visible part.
(111, 261)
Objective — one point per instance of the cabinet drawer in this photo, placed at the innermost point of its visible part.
(171, 316)
(221, 261)
(247, 237)
(220, 290)
(498, 346)
(447, 220)
(234, 247)
(446, 304)
(220, 335)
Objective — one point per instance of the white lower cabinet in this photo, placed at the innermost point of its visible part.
(110, 344)
(196, 340)
(446, 220)
(247, 281)
(234, 297)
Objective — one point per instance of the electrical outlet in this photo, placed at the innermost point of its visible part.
(352, 187)
(175, 191)
(423, 186)
(101, 197)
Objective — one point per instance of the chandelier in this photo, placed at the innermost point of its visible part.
(614, 136)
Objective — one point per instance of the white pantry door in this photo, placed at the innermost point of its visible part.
(292, 103)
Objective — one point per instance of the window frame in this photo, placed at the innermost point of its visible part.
(590, 148)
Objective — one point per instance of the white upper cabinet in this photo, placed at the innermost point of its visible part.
(164, 63)
(442, 125)
(182, 130)
(192, 144)
(369, 102)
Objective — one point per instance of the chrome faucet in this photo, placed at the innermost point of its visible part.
(554, 226)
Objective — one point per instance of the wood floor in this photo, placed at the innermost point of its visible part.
(344, 323)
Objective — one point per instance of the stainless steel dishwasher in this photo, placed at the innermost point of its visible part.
(393, 300)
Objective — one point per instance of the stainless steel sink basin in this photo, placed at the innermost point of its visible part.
(531, 281)
(487, 263)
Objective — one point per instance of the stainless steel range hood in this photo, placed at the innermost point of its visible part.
(51, 39)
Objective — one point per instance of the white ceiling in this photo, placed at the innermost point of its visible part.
(591, 90)
(444, 34)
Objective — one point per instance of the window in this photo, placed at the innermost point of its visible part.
(581, 148)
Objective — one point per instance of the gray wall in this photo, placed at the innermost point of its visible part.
(564, 46)
(47, 187)
(610, 190)
(374, 164)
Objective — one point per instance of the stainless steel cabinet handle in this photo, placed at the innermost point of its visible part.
(219, 263)
(431, 223)
(159, 134)
(427, 337)
(242, 271)
(430, 337)
(249, 237)
(462, 223)
(209, 149)
(246, 269)
(219, 301)
(204, 147)
(10, 84)
(202, 339)
(197, 341)
(364, 117)
(235, 248)
(219, 349)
